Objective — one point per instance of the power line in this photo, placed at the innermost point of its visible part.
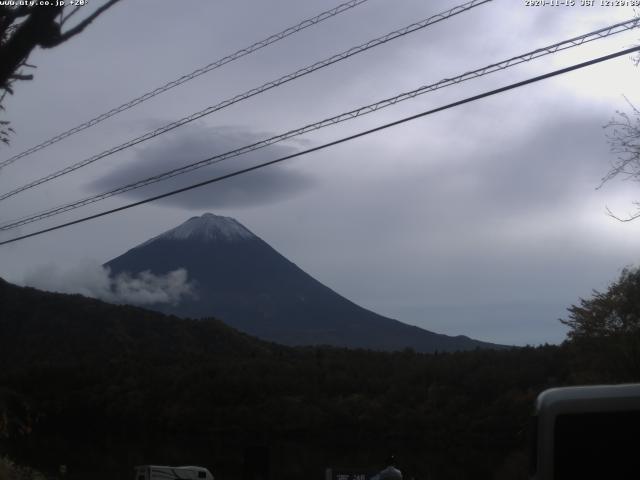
(572, 42)
(255, 91)
(333, 143)
(190, 76)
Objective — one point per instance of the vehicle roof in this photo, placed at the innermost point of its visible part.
(624, 394)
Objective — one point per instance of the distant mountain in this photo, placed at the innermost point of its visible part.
(243, 281)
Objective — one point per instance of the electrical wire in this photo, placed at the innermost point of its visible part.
(547, 50)
(190, 76)
(254, 91)
(333, 143)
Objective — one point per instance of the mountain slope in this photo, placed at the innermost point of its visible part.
(246, 283)
(59, 328)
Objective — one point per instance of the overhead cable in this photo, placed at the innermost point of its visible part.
(510, 62)
(190, 76)
(254, 91)
(330, 144)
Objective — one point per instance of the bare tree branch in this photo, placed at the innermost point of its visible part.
(15, 12)
(84, 24)
(19, 76)
(35, 29)
(23, 28)
(629, 218)
(623, 136)
(71, 13)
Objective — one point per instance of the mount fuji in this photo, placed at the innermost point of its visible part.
(245, 283)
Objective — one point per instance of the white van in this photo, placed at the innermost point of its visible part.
(158, 472)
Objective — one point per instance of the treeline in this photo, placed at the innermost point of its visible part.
(79, 365)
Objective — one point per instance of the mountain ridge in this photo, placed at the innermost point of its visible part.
(253, 288)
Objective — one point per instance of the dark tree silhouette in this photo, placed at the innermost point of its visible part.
(605, 330)
(25, 27)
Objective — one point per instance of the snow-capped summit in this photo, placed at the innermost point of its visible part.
(242, 280)
(208, 227)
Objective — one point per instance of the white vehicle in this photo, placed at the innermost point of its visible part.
(159, 472)
(587, 433)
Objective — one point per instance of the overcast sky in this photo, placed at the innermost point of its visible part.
(483, 220)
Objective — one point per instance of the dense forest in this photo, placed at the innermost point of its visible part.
(76, 371)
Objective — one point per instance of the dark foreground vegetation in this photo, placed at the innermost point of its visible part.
(102, 387)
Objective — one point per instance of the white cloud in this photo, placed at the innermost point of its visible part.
(93, 280)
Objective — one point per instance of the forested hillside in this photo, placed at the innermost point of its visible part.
(77, 367)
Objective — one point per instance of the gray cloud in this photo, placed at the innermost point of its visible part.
(482, 220)
(90, 279)
(494, 239)
(560, 158)
(267, 185)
